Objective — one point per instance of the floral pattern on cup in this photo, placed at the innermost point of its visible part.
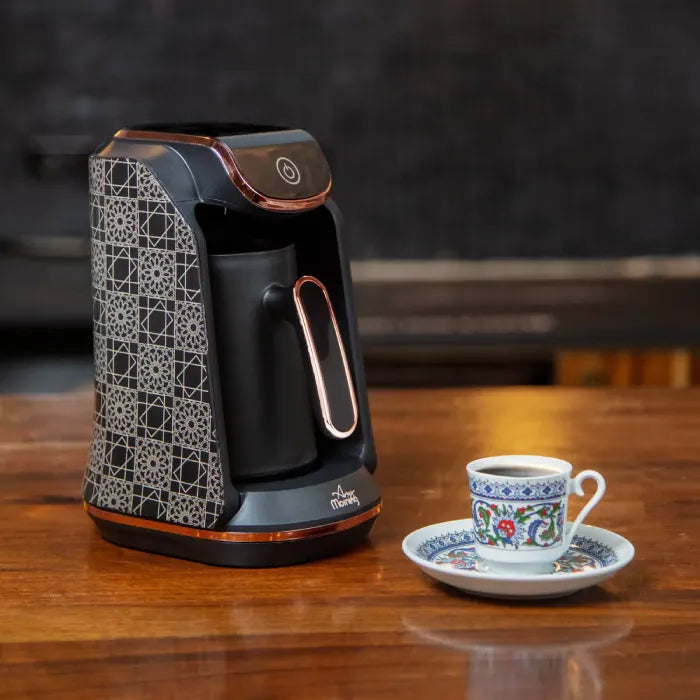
(516, 526)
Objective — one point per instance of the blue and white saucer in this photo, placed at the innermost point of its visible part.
(445, 551)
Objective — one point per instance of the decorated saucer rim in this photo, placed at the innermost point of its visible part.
(624, 550)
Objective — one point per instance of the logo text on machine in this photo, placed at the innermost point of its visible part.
(341, 499)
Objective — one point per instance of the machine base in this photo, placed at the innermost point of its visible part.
(236, 549)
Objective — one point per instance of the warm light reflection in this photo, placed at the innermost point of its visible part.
(503, 422)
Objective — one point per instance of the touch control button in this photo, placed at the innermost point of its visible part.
(288, 170)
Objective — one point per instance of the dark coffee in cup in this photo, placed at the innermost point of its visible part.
(518, 472)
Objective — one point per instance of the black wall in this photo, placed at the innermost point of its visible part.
(458, 128)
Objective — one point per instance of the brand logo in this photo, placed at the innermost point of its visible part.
(341, 499)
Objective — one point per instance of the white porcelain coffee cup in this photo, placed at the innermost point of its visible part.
(519, 509)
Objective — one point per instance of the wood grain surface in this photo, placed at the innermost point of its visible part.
(80, 617)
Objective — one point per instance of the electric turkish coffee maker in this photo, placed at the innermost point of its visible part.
(231, 418)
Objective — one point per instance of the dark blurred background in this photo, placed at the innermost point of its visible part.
(519, 178)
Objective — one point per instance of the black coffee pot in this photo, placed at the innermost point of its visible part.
(282, 360)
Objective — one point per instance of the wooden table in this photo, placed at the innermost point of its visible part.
(83, 618)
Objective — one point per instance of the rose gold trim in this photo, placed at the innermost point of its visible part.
(228, 160)
(315, 363)
(183, 531)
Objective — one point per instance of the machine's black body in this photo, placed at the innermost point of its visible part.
(237, 431)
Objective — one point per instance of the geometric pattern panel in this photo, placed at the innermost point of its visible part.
(154, 449)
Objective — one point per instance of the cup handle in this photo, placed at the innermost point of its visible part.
(575, 487)
(308, 305)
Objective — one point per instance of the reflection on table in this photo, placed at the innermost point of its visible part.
(545, 663)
